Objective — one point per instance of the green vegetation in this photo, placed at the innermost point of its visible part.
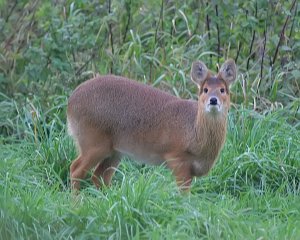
(47, 49)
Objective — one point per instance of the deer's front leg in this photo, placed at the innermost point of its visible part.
(182, 172)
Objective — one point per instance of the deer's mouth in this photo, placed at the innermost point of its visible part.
(213, 108)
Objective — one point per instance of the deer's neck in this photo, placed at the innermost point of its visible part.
(210, 131)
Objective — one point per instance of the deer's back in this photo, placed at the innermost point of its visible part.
(120, 107)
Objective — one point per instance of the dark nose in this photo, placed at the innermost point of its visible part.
(213, 101)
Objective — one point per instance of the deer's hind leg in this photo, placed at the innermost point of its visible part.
(106, 169)
(93, 150)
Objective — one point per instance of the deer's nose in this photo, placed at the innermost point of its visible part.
(213, 101)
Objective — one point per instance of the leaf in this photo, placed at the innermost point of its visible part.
(296, 74)
(286, 48)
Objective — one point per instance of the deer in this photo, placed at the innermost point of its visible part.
(112, 116)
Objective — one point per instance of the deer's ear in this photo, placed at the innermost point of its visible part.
(228, 71)
(199, 72)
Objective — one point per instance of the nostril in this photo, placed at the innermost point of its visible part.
(213, 101)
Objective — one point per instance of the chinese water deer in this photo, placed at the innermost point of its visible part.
(111, 116)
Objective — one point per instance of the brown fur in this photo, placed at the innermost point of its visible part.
(111, 116)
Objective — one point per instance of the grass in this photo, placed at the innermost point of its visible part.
(253, 192)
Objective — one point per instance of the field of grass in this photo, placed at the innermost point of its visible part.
(252, 193)
(46, 50)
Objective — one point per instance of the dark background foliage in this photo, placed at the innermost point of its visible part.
(49, 47)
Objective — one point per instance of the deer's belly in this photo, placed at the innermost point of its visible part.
(142, 154)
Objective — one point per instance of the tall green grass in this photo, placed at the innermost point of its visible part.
(253, 192)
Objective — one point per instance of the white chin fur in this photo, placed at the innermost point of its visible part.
(213, 108)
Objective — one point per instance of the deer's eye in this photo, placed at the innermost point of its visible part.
(205, 90)
(222, 90)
